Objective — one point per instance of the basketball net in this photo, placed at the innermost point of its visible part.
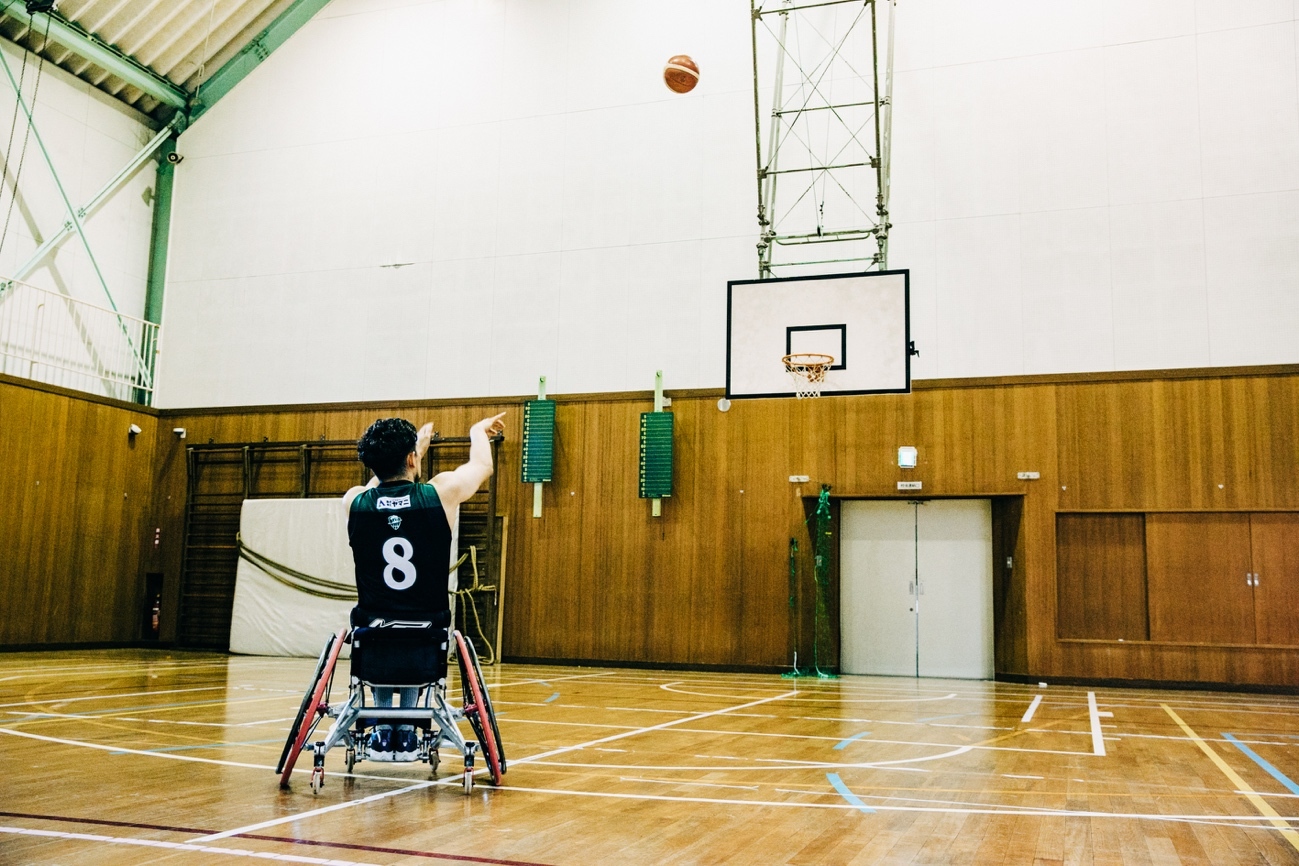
(807, 371)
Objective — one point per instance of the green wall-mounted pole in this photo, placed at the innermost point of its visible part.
(160, 236)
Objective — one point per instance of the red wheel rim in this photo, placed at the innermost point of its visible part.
(477, 708)
(316, 708)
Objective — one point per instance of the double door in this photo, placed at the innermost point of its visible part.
(916, 588)
(1223, 578)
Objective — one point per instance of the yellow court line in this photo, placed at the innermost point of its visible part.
(1241, 785)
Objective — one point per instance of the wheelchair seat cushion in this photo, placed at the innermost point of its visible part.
(400, 653)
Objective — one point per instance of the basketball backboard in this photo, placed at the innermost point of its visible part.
(862, 320)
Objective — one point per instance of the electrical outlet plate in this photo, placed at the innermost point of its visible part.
(799, 479)
(1028, 476)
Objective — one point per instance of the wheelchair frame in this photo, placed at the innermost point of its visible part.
(434, 714)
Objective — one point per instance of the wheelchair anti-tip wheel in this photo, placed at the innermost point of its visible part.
(478, 708)
(314, 705)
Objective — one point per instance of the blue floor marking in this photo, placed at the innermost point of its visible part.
(843, 744)
(202, 746)
(852, 798)
(551, 698)
(1272, 771)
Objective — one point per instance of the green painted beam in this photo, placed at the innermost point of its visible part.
(99, 53)
(251, 56)
(160, 240)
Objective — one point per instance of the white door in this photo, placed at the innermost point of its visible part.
(877, 619)
(916, 588)
(954, 561)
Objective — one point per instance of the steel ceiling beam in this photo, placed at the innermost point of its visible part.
(98, 52)
(237, 68)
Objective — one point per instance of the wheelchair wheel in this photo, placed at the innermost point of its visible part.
(312, 709)
(478, 707)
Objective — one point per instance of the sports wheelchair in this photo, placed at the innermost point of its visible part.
(396, 655)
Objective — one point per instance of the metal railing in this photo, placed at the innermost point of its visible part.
(51, 337)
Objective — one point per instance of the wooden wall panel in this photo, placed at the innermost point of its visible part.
(598, 578)
(1274, 550)
(1197, 573)
(78, 494)
(1101, 576)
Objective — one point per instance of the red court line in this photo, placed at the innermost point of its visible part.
(405, 852)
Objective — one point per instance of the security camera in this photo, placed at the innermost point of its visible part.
(134, 430)
(175, 158)
(179, 431)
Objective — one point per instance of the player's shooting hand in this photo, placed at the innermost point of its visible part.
(491, 426)
(423, 438)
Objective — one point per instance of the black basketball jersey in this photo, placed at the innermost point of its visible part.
(401, 544)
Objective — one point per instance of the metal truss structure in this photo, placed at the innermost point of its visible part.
(822, 94)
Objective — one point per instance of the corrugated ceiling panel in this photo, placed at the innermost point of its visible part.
(183, 40)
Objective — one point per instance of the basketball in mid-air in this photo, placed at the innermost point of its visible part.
(680, 74)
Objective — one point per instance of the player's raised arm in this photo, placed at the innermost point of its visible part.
(463, 482)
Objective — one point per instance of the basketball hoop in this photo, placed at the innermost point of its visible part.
(807, 369)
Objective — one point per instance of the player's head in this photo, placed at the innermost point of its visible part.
(383, 448)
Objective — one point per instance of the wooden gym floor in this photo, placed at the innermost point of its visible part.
(129, 757)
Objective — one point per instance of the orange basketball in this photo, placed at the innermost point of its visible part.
(680, 74)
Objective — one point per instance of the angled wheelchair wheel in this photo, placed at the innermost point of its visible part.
(314, 704)
(478, 708)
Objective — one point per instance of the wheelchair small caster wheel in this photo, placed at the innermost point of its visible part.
(469, 780)
(318, 768)
(351, 758)
(433, 760)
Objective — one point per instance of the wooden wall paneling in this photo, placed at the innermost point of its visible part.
(1106, 436)
(1196, 465)
(1273, 408)
(1274, 546)
(1196, 567)
(1010, 640)
(1101, 576)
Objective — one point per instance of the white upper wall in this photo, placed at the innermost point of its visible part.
(91, 137)
(453, 197)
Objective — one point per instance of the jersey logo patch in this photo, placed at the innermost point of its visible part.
(394, 521)
(392, 503)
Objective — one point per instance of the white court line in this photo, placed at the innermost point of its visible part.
(1098, 738)
(275, 822)
(57, 701)
(1243, 821)
(515, 762)
(178, 846)
(1032, 708)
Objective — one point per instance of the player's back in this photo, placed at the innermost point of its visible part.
(401, 545)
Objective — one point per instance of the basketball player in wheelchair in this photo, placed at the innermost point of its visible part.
(402, 532)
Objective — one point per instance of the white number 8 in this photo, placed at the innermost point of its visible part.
(397, 553)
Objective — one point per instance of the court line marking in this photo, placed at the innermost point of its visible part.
(1243, 821)
(1257, 759)
(178, 846)
(1259, 803)
(843, 744)
(323, 810)
(838, 785)
(452, 779)
(57, 701)
(1098, 737)
(1032, 708)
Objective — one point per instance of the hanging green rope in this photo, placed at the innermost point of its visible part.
(821, 572)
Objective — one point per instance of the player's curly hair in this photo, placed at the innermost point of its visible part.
(383, 447)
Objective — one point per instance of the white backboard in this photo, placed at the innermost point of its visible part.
(861, 320)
